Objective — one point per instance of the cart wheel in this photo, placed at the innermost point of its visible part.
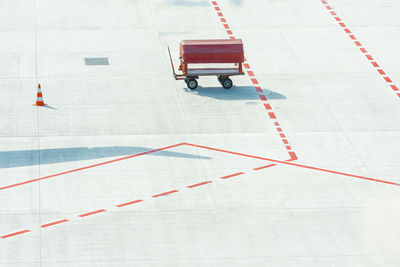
(220, 79)
(227, 83)
(192, 84)
(186, 81)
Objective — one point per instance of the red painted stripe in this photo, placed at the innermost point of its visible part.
(369, 57)
(231, 37)
(352, 37)
(293, 155)
(229, 32)
(282, 135)
(199, 184)
(217, 8)
(337, 19)
(246, 65)
(16, 233)
(220, 14)
(288, 147)
(92, 213)
(254, 81)
(381, 72)
(328, 7)
(357, 43)
(267, 106)
(262, 97)
(297, 165)
(342, 24)
(347, 30)
(214, 3)
(250, 73)
(324, 2)
(363, 50)
(375, 64)
(272, 115)
(398, 94)
(387, 79)
(166, 193)
(226, 26)
(223, 20)
(129, 203)
(279, 129)
(54, 223)
(394, 87)
(258, 89)
(333, 13)
(264, 167)
(276, 123)
(232, 175)
(285, 141)
(88, 167)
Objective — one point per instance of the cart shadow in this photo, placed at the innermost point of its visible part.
(235, 93)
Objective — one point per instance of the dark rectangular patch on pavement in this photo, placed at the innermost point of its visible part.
(96, 61)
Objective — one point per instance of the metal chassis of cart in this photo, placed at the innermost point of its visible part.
(190, 76)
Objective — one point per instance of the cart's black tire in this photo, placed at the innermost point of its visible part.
(186, 81)
(192, 84)
(220, 79)
(227, 83)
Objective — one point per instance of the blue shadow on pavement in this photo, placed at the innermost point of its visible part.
(10, 159)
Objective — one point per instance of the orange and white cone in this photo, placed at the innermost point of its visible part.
(39, 98)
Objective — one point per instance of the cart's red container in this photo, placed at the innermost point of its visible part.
(212, 51)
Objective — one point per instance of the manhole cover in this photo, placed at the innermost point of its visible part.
(96, 61)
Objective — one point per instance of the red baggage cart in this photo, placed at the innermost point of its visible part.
(225, 51)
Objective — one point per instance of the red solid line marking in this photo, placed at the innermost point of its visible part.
(254, 81)
(199, 184)
(232, 175)
(88, 167)
(381, 72)
(250, 73)
(220, 14)
(342, 24)
(258, 89)
(298, 165)
(394, 87)
(337, 19)
(246, 65)
(352, 37)
(91, 213)
(54, 223)
(262, 97)
(369, 57)
(363, 50)
(16, 233)
(375, 64)
(387, 79)
(264, 167)
(129, 203)
(267, 106)
(357, 43)
(166, 193)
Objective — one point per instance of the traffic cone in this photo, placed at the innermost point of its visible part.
(39, 99)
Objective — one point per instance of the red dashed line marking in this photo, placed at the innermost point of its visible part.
(165, 193)
(217, 8)
(15, 234)
(232, 175)
(272, 115)
(258, 89)
(267, 106)
(357, 43)
(288, 148)
(250, 73)
(220, 14)
(279, 129)
(54, 223)
(262, 97)
(129, 203)
(199, 184)
(226, 26)
(282, 135)
(229, 32)
(91, 213)
(254, 81)
(246, 65)
(264, 167)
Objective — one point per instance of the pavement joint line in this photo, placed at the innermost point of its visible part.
(362, 49)
(250, 74)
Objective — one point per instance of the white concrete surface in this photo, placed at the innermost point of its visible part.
(334, 108)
